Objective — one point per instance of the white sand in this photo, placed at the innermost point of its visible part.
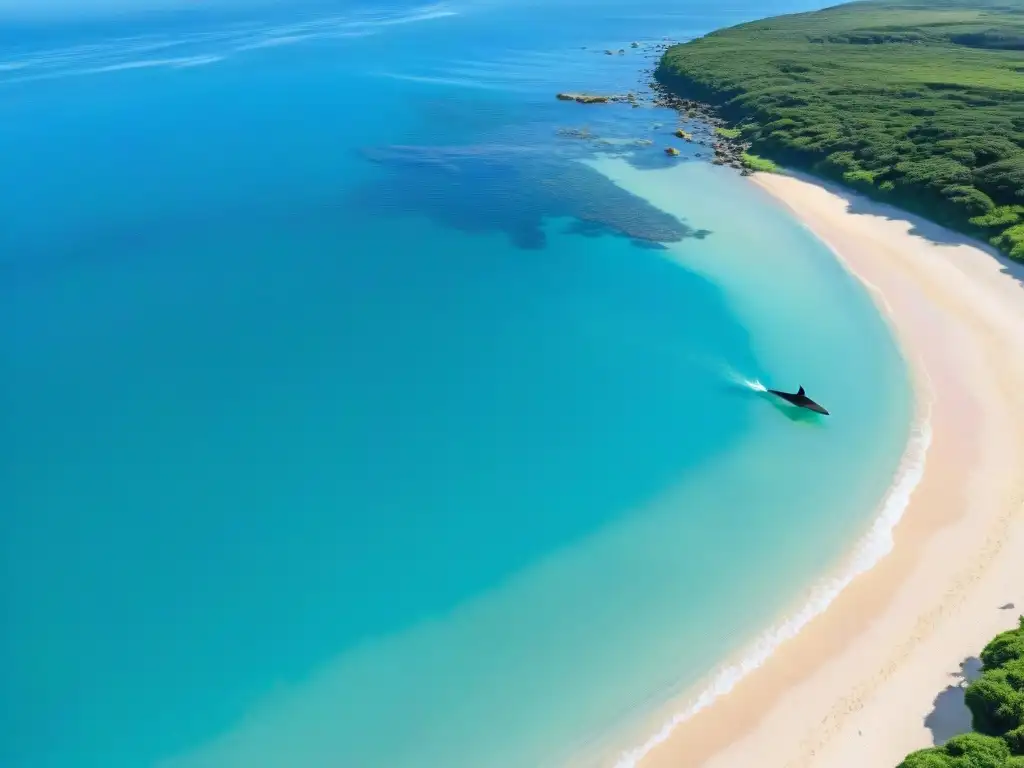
(860, 685)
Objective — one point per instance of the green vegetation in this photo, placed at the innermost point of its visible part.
(919, 103)
(996, 701)
(758, 163)
(972, 750)
(729, 133)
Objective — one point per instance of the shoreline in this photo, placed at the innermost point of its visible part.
(878, 650)
(868, 551)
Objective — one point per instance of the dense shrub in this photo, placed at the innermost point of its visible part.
(1015, 740)
(922, 103)
(1003, 216)
(996, 699)
(1011, 240)
(972, 750)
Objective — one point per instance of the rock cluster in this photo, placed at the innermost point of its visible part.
(727, 150)
(583, 98)
(591, 98)
(701, 120)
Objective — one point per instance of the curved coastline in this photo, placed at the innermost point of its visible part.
(865, 543)
(803, 694)
(867, 552)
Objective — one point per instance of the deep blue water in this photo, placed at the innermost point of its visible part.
(352, 421)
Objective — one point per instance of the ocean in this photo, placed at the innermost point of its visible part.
(365, 406)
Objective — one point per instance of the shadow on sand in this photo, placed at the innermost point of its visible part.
(950, 716)
(919, 226)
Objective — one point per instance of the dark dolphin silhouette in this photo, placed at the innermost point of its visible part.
(800, 400)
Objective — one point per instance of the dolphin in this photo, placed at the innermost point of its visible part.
(800, 400)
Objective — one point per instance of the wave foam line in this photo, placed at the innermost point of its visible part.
(869, 551)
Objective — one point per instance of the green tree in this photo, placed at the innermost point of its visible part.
(918, 102)
(971, 750)
(1005, 647)
(996, 699)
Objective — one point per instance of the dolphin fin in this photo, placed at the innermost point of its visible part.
(800, 391)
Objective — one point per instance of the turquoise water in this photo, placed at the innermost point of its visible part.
(356, 416)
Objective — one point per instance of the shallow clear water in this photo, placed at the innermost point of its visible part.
(355, 415)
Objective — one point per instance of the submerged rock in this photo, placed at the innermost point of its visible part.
(575, 133)
(510, 189)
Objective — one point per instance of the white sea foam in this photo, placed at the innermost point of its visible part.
(742, 381)
(869, 551)
(207, 47)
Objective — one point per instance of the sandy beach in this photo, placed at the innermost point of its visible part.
(880, 673)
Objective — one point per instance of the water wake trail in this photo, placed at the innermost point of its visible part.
(868, 552)
(740, 380)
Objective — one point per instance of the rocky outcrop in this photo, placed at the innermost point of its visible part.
(585, 98)
(672, 152)
(727, 150)
(596, 98)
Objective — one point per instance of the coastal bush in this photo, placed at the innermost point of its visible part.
(921, 103)
(996, 699)
(1005, 647)
(971, 750)
(1015, 740)
(1011, 240)
(757, 163)
(1003, 216)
